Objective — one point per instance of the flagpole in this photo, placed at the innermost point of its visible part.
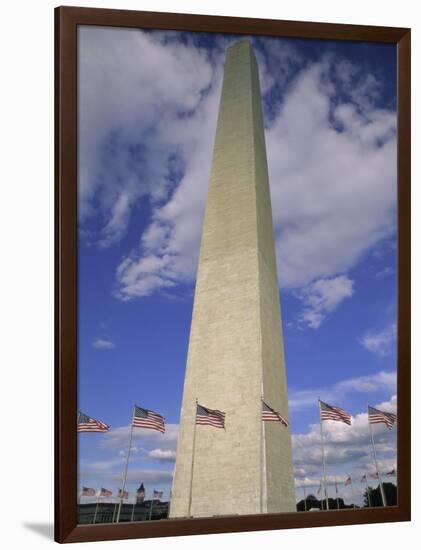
(261, 453)
(150, 509)
(337, 494)
(305, 499)
(263, 490)
(192, 460)
(368, 491)
(125, 470)
(375, 460)
(323, 456)
(96, 509)
(114, 512)
(319, 491)
(80, 494)
(352, 492)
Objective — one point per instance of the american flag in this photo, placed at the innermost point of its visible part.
(157, 494)
(123, 494)
(375, 475)
(348, 481)
(209, 417)
(364, 478)
(88, 492)
(143, 418)
(269, 414)
(377, 417)
(87, 424)
(105, 492)
(328, 412)
(392, 473)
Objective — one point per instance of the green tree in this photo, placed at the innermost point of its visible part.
(390, 491)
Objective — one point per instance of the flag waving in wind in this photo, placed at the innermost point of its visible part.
(209, 417)
(348, 481)
(157, 494)
(142, 418)
(87, 424)
(391, 473)
(105, 492)
(377, 417)
(87, 492)
(329, 412)
(269, 414)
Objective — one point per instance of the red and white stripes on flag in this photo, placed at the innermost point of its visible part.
(88, 492)
(105, 493)
(348, 481)
(209, 417)
(380, 417)
(87, 424)
(364, 479)
(270, 415)
(329, 412)
(143, 418)
(123, 494)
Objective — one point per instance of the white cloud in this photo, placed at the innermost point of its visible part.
(321, 297)
(332, 170)
(380, 343)
(150, 132)
(116, 225)
(322, 182)
(385, 272)
(157, 477)
(100, 467)
(162, 455)
(101, 343)
(134, 95)
(104, 475)
(347, 449)
(362, 89)
(117, 438)
(277, 60)
(149, 447)
(170, 245)
(381, 381)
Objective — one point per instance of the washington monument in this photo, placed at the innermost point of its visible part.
(236, 357)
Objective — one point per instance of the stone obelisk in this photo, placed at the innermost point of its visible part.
(235, 351)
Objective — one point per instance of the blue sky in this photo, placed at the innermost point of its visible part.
(147, 115)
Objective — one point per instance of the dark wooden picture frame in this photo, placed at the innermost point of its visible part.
(67, 20)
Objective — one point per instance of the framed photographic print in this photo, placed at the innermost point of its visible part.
(212, 172)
